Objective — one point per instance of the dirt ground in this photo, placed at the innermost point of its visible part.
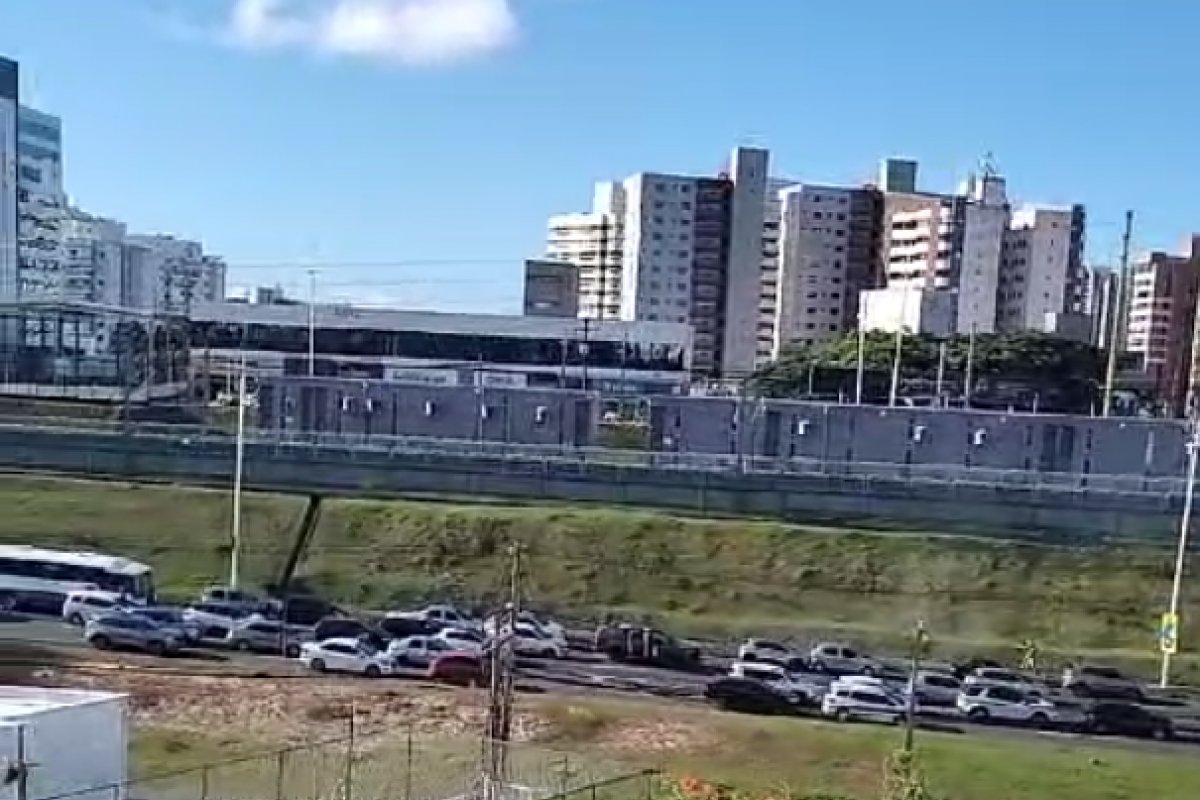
(294, 710)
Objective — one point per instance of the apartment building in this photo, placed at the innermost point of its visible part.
(828, 254)
(9, 212)
(1041, 269)
(1162, 321)
(769, 288)
(171, 275)
(661, 247)
(1099, 291)
(594, 242)
(42, 202)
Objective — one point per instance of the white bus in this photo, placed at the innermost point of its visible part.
(38, 579)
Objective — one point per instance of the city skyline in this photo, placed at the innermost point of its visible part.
(173, 90)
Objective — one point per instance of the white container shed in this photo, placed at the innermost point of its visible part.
(74, 744)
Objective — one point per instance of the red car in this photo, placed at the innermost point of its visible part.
(458, 669)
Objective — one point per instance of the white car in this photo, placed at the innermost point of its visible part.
(417, 650)
(765, 650)
(778, 678)
(543, 627)
(998, 676)
(532, 641)
(462, 640)
(345, 655)
(82, 607)
(842, 659)
(855, 700)
(981, 703)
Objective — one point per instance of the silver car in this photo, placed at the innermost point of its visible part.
(130, 632)
(268, 636)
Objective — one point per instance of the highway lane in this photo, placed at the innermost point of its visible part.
(581, 673)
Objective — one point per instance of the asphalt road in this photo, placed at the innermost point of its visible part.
(582, 672)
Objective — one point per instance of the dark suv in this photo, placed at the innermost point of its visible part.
(1127, 719)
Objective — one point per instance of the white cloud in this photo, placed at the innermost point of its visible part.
(409, 32)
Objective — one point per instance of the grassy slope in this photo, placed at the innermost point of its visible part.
(811, 757)
(722, 576)
(761, 755)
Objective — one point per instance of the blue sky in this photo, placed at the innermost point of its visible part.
(414, 148)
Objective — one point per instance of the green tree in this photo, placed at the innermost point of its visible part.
(1064, 373)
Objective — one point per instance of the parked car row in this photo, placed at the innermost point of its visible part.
(772, 678)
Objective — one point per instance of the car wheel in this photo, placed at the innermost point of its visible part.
(842, 715)
(156, 648)
(977, 714)
(1039, 720)
(101, 642)
(869, 671)
(76, 619)
(317, 665)
(1161, 733)
(8, 603)
(292, 651)
(372, 671)
(242, 646)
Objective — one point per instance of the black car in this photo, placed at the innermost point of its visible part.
(403, 627)
(747, 696)
(349, 628)
(1127, 719)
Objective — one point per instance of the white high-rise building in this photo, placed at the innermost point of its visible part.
(691, 249)
(594, 243)
(42, 203)
(9, 211)
(769, 290)
(170, 275)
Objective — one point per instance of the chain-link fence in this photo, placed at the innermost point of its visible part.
(384, 765)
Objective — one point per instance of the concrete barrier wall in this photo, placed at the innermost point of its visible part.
(1031, 442)
(1043, 444)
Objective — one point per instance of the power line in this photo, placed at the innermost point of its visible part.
(321, 266)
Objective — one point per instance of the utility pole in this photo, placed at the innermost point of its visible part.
(500, 693)
(1117, 326)
(238, 462)
(894, 392)
(859, 370)
(941, 373)
(969, 373)
(1185, 521)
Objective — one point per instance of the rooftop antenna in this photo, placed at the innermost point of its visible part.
(987, 165)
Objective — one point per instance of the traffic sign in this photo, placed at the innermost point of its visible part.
(1168, 633)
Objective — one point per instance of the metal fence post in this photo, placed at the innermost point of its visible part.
(348, 788)
(204, 783)
(408, 764)
(280, 768)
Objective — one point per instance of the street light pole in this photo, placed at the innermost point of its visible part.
(238, 458)
(1193, 448)
(859, 371)
(920, 637)
(312, 322)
